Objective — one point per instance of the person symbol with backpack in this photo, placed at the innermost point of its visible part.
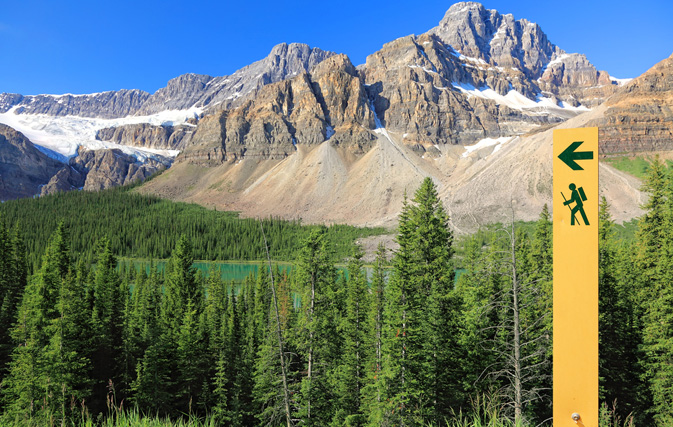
(579, 197)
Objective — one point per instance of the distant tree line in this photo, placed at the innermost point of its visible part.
(143, 226)
(413, 346)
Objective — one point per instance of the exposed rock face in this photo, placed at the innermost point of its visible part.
(574, 80)
(496, 39)
(413, 82)
(23, 168)
(94, 170)
(329, 103)
(284, 61)
(501, 41)
(106, 105)
(112, 168)
(66, 179)
(183, 92)
(148, 136)
(639, 118)
(180, 93)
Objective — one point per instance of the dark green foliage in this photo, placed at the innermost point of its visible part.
(141, 226)
(316, 338)
(13, 279)
(420, 316)
(50, 365)
(403, 346)
(619, 337)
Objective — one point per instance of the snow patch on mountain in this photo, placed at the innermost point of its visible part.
(515, 100)
(619, 82)
(61, 137)
(487, 142)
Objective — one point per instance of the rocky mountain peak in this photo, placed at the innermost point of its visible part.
(497, 39)
(184, 90)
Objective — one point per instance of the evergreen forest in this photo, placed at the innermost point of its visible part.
(83, 342)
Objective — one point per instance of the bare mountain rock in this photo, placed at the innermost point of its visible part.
(329, 103)
(183, 92)
(106, 105)
(112, 168)
(148, 136)
(639, 118)
(93, 170)
(479, 184)
(23, 168)
(520, 45)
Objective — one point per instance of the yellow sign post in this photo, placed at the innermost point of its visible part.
(575, 218)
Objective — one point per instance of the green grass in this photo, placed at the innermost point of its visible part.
(119, 418)
(633, 165)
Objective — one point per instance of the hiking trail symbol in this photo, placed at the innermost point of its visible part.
(578, 197)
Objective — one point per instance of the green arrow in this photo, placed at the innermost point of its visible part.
(569, 156)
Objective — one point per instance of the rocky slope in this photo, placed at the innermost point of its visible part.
(93, 170)
(305, 134)
(23, 168)
(105, 105)
(521, 49)
(148, 136)
(502, 78)
(479, 184)
(639, 118)
(328, 103)
(217, 93)
(183, 92)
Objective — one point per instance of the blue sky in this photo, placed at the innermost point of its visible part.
(94, 46)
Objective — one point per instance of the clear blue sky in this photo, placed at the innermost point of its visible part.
(98, 45)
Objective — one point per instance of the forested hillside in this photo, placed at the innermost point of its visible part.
(313, 347)
(142, 226)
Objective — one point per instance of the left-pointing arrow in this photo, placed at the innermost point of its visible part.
(569, 155)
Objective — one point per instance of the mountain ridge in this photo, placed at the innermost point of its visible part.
(331, 142)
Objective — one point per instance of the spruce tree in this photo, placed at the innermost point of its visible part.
(350, 374)
(68, 354)
(316, 335)
(373, 391)
(420, 315)
(11, 290)
(658, 316)
(618, 339)
(107, 325)
(31, 378)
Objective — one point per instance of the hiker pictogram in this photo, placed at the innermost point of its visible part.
(578, 197)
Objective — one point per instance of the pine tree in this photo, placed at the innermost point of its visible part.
(107, 325)
(181, 285)
(68, 354)
(30, 379)
(658, 305)
(272, 364)
(373, 391)
(11, 290)
(189, 353)
(420, 315)
(314, 282)
(618, 339)
(651, 231)
(149, 389)
(478, 288)
(350, 374)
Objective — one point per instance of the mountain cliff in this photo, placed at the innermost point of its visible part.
(304, 133)
(181, 93)
(639, 118)
(23, 168)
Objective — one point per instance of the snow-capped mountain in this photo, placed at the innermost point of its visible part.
(305, 133)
